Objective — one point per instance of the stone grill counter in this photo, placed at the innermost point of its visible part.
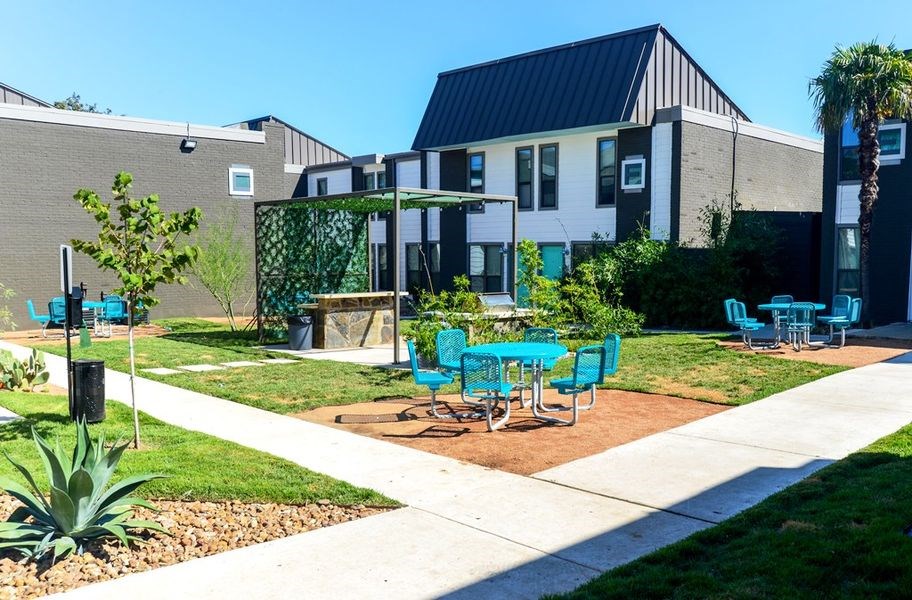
(352, 320)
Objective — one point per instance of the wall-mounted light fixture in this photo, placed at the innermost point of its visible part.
(188, 144)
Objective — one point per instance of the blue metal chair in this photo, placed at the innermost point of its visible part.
(34, 316)
(612, 353)
(839, 309)
(482, 378)
(588, 372)
(434, 380)
(801, 318)
(450, 344)
(851, 316)
(541, 335)
(782, 299)
(113, 311)
(746, 324)
(729, 317)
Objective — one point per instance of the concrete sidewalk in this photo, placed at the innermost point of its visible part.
(471, 531)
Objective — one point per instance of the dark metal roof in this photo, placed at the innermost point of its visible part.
(591, 82)
(301, 148)
(10, 95)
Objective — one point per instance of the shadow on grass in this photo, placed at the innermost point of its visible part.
(43, 423)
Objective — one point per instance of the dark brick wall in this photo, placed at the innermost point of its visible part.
(42, 165)
(633, 205)
(768, 176)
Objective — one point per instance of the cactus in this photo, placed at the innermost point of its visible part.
(23, 375)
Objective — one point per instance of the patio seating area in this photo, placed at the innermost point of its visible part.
(794, 322)
(100, 316)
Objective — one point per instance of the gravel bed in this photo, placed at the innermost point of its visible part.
(198, 529)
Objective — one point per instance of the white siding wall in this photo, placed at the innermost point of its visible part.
(338, 181)
(576, 217)
(848, 207)
(660, 203)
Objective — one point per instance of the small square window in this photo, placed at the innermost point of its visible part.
(240, 181)
(633, 174)
(892, 140)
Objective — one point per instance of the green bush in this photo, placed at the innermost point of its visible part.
(6, 315)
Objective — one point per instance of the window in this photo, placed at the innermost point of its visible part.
(485, 267)
(892, 140)
(240, 181)
(606, 172)
(547, 182)
(381, 274)
(580, 252)
(848, 274)
(369, 181)
(322, 186)
(524, 171)
(381, 179)
(476, 179)
(633, 174)
(418, 264)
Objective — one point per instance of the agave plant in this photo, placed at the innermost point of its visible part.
(81, 507)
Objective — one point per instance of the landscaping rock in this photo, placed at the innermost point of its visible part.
(198, 529)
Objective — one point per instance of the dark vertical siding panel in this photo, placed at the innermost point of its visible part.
(669, 70)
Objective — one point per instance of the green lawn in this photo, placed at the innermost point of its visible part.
(200, 467)
(685, 365)
(837, 534)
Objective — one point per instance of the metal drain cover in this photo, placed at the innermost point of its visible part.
(368, 419)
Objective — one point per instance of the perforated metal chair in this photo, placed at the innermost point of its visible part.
(729, 317)
(482, 378)
(801, 318)
(746, 324)
(434, 380)
(612, 353)
(588, 372)
(112, 311)
(851, 316)
(450, 344)
(782, 299)
(34, 316)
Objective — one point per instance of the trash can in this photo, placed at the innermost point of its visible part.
(88, 391)
(300, 332)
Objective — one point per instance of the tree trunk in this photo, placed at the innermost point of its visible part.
(868, 163)
(130, 304)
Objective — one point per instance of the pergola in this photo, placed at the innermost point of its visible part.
(321, 244)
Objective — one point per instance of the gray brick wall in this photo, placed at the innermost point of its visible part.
(769, 176)
(42, 165)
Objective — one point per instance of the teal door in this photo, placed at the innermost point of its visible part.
(553, 268)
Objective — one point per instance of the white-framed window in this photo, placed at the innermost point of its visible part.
(633, 174)
(240, 181)
(892, 139)
(322, 186)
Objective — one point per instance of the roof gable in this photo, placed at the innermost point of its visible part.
(604, 80)
(10, 95)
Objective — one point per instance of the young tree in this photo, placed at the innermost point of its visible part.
(223, 266)
(864, 83)
(140, 243)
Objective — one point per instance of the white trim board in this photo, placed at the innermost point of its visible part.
(745, 128)
(56, 116)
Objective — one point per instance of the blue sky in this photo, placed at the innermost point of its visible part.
(358, 75)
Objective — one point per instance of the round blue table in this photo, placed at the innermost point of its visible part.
(534, 353)
(780, 307)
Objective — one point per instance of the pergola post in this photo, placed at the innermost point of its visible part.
(397, 204)
(515, 205)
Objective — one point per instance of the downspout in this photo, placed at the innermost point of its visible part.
(734, 157)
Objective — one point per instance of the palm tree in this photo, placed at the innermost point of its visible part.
(867, 83)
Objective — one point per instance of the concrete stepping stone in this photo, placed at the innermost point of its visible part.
(201, 368)
(161, 371)
(242, 363)
(7, 416)
(278, 361)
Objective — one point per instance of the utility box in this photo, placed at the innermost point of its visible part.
(88, 391)
(300, 332)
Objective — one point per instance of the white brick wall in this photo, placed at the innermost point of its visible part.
(660, 204)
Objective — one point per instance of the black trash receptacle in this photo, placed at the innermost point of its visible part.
(300, 332)
(88, 391)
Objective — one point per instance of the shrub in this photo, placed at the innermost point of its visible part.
(542, 294)
(81, 507)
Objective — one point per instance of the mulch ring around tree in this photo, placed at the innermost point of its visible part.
(199, 529)
(525, 445)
